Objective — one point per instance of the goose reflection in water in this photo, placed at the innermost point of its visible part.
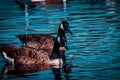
(64, 71)
(23, 69)
(58, 72)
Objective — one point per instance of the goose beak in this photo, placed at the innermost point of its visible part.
(70, 32)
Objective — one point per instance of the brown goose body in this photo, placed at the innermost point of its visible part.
(15, 55)
(29, 60)
(37, 41)
(26, 55)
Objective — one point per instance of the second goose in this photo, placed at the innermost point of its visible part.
(44, 41)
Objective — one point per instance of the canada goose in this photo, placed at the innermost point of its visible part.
(46, 2)
(33, 3)
(15, 55)
(44, 41)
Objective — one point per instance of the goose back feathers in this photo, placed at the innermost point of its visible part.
(26, 55)
(37, 41)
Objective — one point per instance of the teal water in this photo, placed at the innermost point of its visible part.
(94, 47)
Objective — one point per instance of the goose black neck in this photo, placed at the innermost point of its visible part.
(57, 45)
(55, 52)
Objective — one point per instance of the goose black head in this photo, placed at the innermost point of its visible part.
(64, 27)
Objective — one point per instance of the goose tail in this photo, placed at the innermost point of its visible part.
(7, 59)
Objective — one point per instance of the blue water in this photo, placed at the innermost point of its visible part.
(94, 47)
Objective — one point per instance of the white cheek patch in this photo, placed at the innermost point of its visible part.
(61, 27)
(58, 39)
(62, 48)
(64, 0)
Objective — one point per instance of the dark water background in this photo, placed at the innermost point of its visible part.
(94, 48)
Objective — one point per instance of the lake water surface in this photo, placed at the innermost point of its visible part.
(94, 47)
